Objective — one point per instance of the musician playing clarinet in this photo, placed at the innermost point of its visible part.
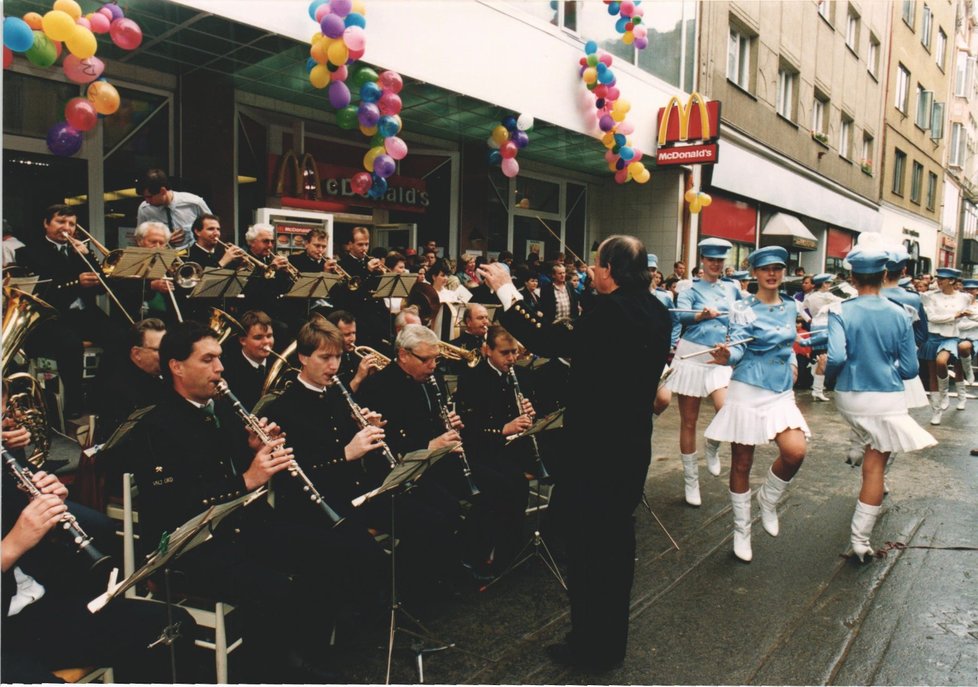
(617, 351)
(189, 453)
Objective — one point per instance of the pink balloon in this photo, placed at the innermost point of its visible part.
(355, 55)
(361, 183)
(322, 11)
(627, 8)
(83, 71)
(610, 156)
(606, 58)
(621, 176)
(510, 166)
(355, 38)
(100, 23)
(340, 74)
(83, 21)
(613, 93)
(395, 147)
(107, 13)
(81, 114)
(391, 81)
(389, 103)
(625, 127)
(637, 156)
(126, 33)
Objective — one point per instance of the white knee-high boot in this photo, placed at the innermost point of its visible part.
(741, 534)
(712, 453)
(962, 395)
(942, 389)
(969, 373)
(818, 388)
(691, 479)
(768, 497)
(863, 520)
(935, 402)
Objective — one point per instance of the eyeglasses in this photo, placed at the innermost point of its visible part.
(150, 348)
(425, 360)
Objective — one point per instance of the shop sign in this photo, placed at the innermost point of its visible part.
(688, 133)
(310, 182)
(948, 243)
(801, 243)
(911, 232)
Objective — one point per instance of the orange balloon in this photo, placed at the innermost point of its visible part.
(318, 52)
(104, 97)
(33, 20)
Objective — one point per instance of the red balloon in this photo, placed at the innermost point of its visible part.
(126, 34)
(508, 150)
(80, 113)
(361, 183)
(8, 57)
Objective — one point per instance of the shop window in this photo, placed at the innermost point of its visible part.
(536, 194)
(30, 103)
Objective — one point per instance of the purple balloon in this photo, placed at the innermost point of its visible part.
(339, 95)
(332, 25)
(520, 138)
(606, 123)
(341, 8)
(368, 114)
(64, 140)
(384, 165)
(115, 10)
(641, 43)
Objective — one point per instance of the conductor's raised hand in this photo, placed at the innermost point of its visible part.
(272, 458)
(495, 275)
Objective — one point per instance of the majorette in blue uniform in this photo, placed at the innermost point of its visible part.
(945, 308)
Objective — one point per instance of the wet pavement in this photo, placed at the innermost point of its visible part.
(800, 613)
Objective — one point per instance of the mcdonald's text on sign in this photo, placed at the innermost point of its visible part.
(688, 133)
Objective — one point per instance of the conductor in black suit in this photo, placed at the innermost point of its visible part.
(617, 352)
(558, 300)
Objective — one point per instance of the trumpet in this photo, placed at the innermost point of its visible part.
(251, 422)
(69, 522)
(447, 350)
(268, 269)
(352, 283)
(447, 422)
(361, 420)
(364, 351)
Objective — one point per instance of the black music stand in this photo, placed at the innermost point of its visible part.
(409, 470)
(197, 530)
(313, 287)
(393, 285)
(144, 263)
(222, 283)
(536, 547)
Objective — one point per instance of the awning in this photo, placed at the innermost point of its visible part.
(788, 231)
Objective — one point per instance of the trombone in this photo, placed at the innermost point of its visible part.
(98, 275)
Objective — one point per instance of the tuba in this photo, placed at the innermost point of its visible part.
(447, 350)
(26, 408)
(22, 312)
(223, 324)
(282, 373)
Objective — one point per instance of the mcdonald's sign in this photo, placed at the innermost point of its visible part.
(688, 133)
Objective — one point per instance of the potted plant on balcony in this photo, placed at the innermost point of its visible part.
(821, 137)
(867, 167)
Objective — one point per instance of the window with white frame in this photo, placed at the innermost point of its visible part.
(738, 58)
(902, 89)
(925, 104)
(937, 121)
(866, 155)
(852, 30)
(916, 182)
(909, 10)
(820, 113)
(873, 56)
(825, 9)
(931, 190)
(963, 74)
(787, 91)
(926, 20)
(899, 167)
(845, 137)
(940, 48)
(956, 151)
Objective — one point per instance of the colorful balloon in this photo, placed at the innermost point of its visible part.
(63, 139)
(332, 25)
(341, 7)
(83, 71)
(69, 7)
(319, 76)
(389, 125)
(8, 57)
(510, 167)
(368, 114)
(378, 187)
(500, 135)
(44, 52)
(337, 53)
(370, 156)
(313, 6)
(524, 122)
(361, 183)
(104, 97)
(339, 95)
(384, 165)
(126, 33)
(396, 147)
(115, 12)
(346, 118)
(57, 25)
(34, 20)
(355, 38)
(520, 138)
(81, 114)
(508, 150)
(389, 103)
(81, 43)
(17, 34)
(391, 81)
(355, 19)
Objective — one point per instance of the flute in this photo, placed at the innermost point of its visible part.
(252, 423)
(362, 421)
(69, 522)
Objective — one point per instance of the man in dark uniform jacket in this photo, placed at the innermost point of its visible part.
(371, 314)
(188, 454)
(486, 401)
(246, 365)
(353, 368)
(135, 382)
(70, 287)
(262, 292)
(205, 250)
(617, 352)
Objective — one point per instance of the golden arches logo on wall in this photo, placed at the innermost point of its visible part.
(696, 120)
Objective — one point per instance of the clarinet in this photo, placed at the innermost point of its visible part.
(541, 468)
(69, 522)
(252, 423)
(443, 412)
(362, 421)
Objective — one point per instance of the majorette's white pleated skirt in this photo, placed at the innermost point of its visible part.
(880, 420)
(913, 389)
(696, 376)
(754, 416)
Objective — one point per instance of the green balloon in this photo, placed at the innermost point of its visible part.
(377, 140)
(362, 76)
(346, 118)
(43, 53)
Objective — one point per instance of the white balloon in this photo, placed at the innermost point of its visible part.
(492, 143)
(524, 122)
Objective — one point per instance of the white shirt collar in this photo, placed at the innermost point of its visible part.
(251, 362)
(311, 387)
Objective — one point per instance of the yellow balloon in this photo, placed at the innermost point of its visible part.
(104, 97)
(359, 7)
(57, 25)
(621, 105)
(368, 131)
(82, 43)
(613, 166)
(628, 38)
(643, 175)
(318, 52)
(500, 134)
(618, 115)
(69, 7)
(690, 195)
(319, 76)
(316, 37)
(634, 167)
(608, 140)
(705, 199)
(590, 75)
(368, 159)
(338, 53)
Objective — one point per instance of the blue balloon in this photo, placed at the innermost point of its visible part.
(601, 67)
(370, 92)
(310, 63)
(387, 126)
(495, 157)
(620, 163)
(590, 47)
(620, 24)
(354, 19)
(614, 8)
(599, 103)
(606, 77)
(17, 35)
(378, 188)
(509, 121)
(313, 6)
(626, 153)
(620, 139)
